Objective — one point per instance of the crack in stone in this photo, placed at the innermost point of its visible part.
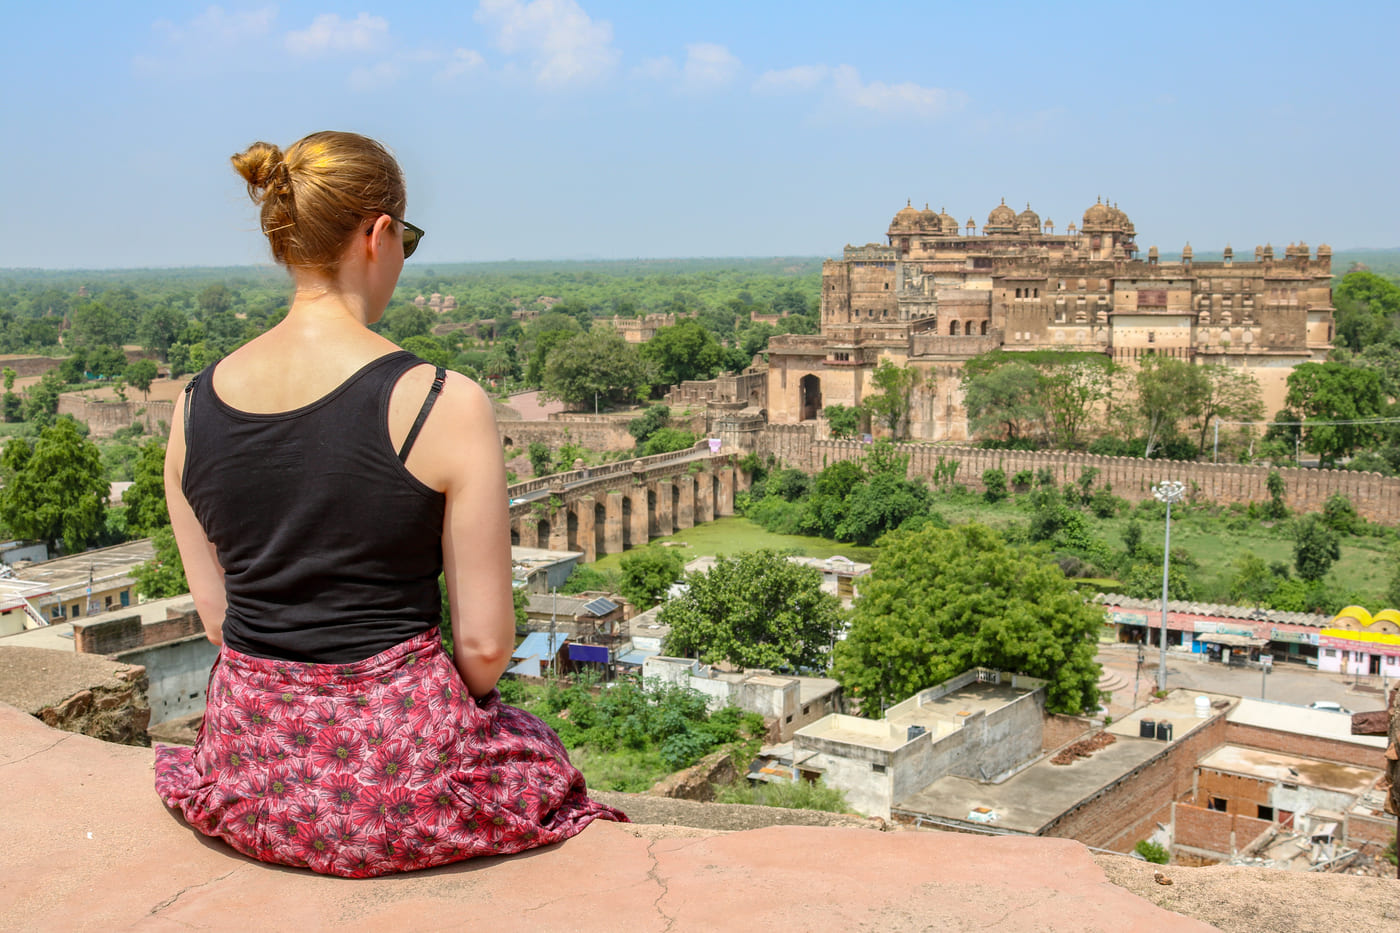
(40, 751)
(660, 883)
(180, 893)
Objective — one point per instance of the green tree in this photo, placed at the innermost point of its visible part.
(55, 490)
(942, 601)
(541, 462)
(140, 374)
(667, 440)
(1392, 590)
(880, 505)
(1168, 391)
(842, 420)
(144, 499)
(683, 352)
(41, 399)
(757, 609)
(407, 320)
(1004, 401)
(1277, 508)
(1335, 392)
(994, 481)
(1228, 394)
(540, 337)
(647, 573)
(1072, 385)
(1315, 548)
(652, 419)
(429, 349)
(597, 367)
(164, 576)
(891, 404)
(95, 325)
(158, 329)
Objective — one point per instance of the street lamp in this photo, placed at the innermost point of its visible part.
(1167, 491)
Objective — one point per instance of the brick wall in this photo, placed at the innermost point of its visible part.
(1128, 810)
(1306, 746)
(1242, 795)
(1370, 834)
(110, 635)
(1215, 832)
(107, 635)
(1061, 730)
(26, 366)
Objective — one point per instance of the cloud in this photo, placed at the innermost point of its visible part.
(791, 80)
(372, 77)
(197, 46)
(461, 62)
(708, 65)
(904, 99)
(561, 42)
(329, 33)
(659, 69)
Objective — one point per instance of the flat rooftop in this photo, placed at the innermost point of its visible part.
(1285, 717)
(1277, 767)
(1035, 796)
(100, 564)
(940, 717)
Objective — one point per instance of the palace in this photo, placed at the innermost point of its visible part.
(938, 293)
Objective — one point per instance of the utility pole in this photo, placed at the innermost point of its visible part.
(1167, 491)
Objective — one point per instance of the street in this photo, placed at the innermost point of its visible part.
(1286, 683)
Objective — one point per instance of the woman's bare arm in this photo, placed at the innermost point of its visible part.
(459, 453)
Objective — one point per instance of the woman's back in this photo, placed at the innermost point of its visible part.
(331, 548)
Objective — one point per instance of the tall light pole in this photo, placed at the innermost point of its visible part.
(1167, 491)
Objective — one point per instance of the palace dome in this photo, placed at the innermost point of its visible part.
(906, 219)
(949, 222)
(1001, 216)
(1028, 220)
(928, 220)
(1100, 214)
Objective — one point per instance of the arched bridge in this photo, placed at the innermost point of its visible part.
(608, 509)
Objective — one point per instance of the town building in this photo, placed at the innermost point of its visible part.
(788, 703)
(1356, 642)
(81, 585)
(1211, 776)
(937, 293)
(1222, 633)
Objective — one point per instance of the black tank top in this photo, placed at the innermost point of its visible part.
(331, 549)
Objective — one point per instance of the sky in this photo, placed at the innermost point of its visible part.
(603, 129)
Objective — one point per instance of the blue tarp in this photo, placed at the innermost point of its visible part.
(596, 654)
(636, 656)
(538, 645)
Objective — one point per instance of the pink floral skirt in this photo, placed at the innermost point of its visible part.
(363, 769)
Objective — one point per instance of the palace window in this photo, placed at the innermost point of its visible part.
(1151, 336)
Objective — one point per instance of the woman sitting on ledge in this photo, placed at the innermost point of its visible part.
(319, 482)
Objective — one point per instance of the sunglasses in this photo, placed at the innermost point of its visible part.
(411, 234)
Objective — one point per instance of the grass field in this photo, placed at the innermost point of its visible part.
(734, 535)
(1212, 538)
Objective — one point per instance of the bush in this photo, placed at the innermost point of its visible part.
(995, 482)
(803, 795)
(1340, 515)
(666, 440)
(1022, 480)
(1152, 852)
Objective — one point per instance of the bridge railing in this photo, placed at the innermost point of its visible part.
(607, 469)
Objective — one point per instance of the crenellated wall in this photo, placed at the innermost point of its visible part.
(1376, 497)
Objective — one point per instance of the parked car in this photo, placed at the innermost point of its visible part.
(1329, 706)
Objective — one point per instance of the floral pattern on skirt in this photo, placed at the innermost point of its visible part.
(379, 766)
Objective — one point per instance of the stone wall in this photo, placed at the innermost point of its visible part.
(111, 634)
(26, 366)
(1376, 497)
(105, 418)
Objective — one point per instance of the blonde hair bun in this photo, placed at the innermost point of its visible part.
(260, 165)
(316, 195)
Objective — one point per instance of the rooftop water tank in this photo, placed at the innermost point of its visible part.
(1202, 707)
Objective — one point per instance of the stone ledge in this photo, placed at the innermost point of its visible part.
(89, 846)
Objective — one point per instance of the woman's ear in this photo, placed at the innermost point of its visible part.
(380, 236)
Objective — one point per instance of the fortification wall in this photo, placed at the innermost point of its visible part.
(25, 366)
(1376, 497)
(105, 418)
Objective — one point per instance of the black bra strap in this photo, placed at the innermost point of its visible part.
(438, 378)
(189, 394)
